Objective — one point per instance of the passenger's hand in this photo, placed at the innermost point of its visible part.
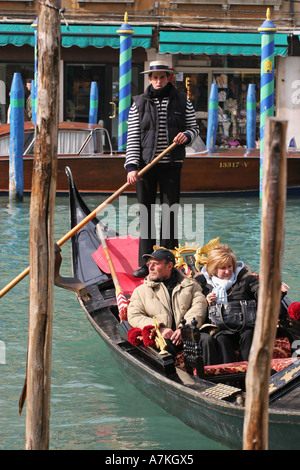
(132, 177)
(166, 332)
(211, 298)
(176, 337)
(284, 287)
(180, 138)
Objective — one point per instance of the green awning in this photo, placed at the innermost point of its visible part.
(16, 34)
(192, 42)
(77, 35)
(101, 36)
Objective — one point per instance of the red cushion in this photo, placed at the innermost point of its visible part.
(282, 348)
(279, 364)
(236, 367)
(230, 368)
(281, 358)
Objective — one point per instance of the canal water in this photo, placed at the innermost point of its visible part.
(93, 407)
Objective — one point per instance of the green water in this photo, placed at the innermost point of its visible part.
(92, 404)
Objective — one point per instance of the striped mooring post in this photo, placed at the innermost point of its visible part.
(93, 113)
(34, 82)
(251, 116)
(267, 31)
(16, 141)
(212, 125)
(125, 33)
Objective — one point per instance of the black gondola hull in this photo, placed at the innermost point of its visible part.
(180, 394)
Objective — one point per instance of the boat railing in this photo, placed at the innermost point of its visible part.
(96, 138)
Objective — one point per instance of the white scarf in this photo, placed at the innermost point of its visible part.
(221, 286)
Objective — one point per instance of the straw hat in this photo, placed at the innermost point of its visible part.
(159, 66)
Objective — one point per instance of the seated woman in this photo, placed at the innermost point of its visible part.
(224, 280)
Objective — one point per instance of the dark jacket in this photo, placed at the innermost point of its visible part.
(245, 287)
(149, 123)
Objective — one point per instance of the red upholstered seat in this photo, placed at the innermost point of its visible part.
(230, 368)
(280, 363)
(238, 367)
(282, 348)
(281, 358)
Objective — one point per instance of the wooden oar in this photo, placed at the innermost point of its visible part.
(93, 214)
(121, 299)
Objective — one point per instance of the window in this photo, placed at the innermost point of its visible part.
(232, 106)
(7, 71)
(232, 94)
(78, 78)
(196, 87)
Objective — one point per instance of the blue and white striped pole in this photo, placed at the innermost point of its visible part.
(267, 31)
(125, 33)
(212, 125)
(93, 113)
(16, 141)
(251, 117)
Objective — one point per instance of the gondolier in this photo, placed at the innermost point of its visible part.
(158, 117)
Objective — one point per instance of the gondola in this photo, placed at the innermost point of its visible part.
(213, 405)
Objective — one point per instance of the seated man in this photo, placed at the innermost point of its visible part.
(169, 295)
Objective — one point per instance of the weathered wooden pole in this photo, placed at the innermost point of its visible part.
(41, 243)
(272, 246)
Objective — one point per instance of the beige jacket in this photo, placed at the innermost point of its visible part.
(152, 299)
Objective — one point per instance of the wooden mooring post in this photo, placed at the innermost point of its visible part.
(41, 243)
(272, 246)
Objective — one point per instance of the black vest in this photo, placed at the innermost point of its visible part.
(148, 117)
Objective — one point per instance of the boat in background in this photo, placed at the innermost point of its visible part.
(97, 168)
(210, 401)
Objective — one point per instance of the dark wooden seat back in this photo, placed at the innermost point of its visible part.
(193, 360)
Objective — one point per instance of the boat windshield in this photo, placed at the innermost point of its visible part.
(197, 146)
(4, 143)
(70, 142)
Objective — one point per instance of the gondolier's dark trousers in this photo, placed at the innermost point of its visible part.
(167, 177)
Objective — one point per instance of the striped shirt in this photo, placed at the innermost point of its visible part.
(133, 151)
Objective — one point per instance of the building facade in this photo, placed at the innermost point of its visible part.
(204, 41)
